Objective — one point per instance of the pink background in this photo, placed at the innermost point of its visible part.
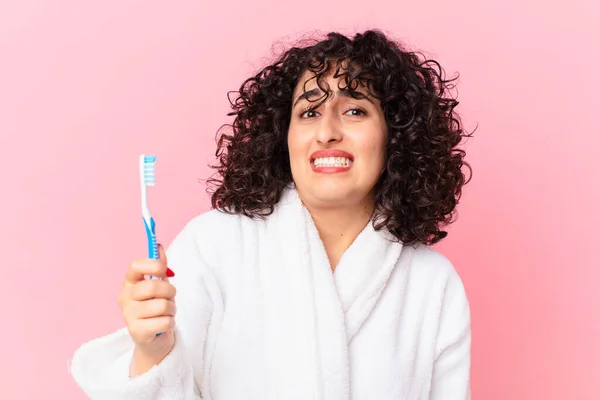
(86, 86)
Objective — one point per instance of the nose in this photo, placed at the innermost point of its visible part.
(328, 131)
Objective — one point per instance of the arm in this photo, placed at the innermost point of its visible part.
(101, 367)
(451, 371)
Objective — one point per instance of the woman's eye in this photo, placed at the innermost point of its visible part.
(308, 114)
(355, 112)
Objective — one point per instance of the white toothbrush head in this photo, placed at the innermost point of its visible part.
(147, 169)
(147, 178)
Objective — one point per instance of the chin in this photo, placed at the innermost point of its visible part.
(330, 198)
(331, 194)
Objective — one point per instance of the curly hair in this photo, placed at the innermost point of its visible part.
(417, 193)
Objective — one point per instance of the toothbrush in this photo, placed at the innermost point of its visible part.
(147, 178)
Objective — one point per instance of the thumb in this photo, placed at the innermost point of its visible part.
(162, 255)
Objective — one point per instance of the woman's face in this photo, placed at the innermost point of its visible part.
(337, 150)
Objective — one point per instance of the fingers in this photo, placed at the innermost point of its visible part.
(148, 305)
(151, 289)
(146, 318)
(149, 267)
(154, 308)
(145, 330)
(139, 268)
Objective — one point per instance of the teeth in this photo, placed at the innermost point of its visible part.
(332, 162)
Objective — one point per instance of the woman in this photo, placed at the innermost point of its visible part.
(313, 275)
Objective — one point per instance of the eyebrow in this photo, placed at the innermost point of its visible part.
(316, 91)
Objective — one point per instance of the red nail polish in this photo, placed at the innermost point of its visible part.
(170, 273)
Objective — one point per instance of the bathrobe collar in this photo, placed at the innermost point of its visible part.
(342, 299)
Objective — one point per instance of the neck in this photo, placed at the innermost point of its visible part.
(338, 227)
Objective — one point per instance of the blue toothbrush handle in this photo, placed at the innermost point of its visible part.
(152, 244)
(151, 234)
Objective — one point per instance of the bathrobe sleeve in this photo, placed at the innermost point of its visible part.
(101, 366)
(451, 371)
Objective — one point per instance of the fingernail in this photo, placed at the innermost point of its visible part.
(170, 273)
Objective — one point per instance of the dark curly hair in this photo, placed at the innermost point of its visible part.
(417, 193)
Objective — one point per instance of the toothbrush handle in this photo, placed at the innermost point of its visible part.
(151, 234)
(152, 244)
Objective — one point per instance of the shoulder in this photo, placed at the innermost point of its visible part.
(439, 278)
(430, 262)
(206, 248)
(452, 309)
(215, 235)
(212, 219)
(211, 225)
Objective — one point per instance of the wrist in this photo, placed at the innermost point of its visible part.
(143, 362)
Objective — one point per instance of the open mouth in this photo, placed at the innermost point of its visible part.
(331, 161)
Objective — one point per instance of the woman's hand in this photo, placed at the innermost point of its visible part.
(148, 307)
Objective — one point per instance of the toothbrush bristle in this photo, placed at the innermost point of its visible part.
(149, 178)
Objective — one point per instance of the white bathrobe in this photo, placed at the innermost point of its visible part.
(260, 315)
